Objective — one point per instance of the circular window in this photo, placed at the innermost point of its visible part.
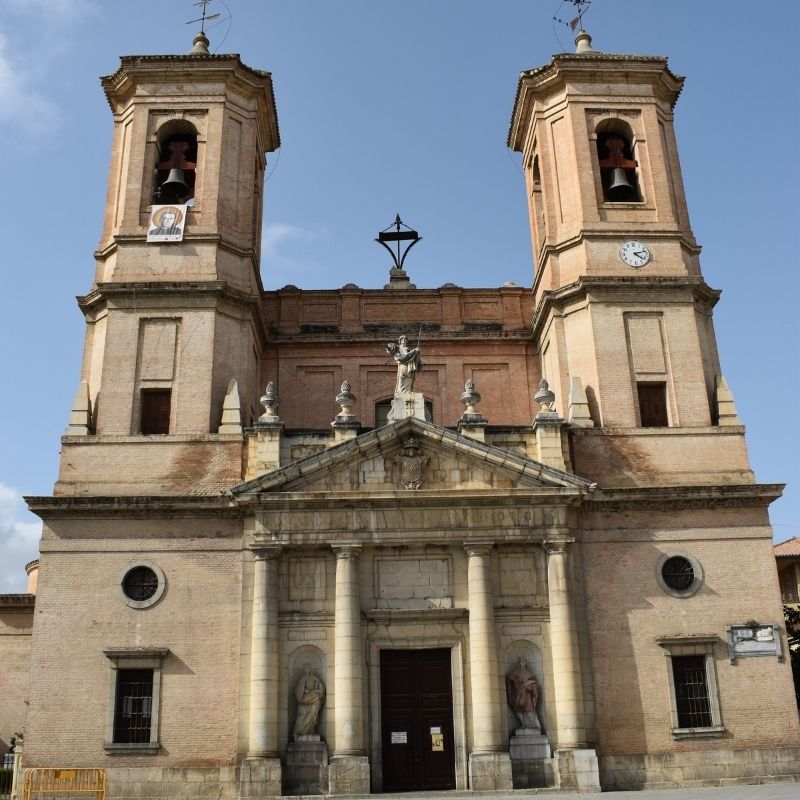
(142, 584)
(679, 574)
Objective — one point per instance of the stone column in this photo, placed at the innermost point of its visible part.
(576, 765)
(489, 762)
(261, 771)
(349, 767)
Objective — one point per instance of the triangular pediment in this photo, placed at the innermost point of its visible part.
(416, 455)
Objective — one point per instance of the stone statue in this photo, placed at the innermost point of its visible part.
(522, 692)
(409, 363)
(310, 695)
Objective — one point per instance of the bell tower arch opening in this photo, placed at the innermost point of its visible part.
(619, 169)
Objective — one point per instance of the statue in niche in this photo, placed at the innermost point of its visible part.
(522, 692)
(409, 363)
(310, 695)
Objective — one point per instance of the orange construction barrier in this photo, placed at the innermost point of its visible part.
(49, 781)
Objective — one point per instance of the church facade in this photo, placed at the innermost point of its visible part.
(527, 550)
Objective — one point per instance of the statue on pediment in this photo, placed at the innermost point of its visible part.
(409, 363)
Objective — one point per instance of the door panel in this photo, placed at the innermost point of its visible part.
(417, 720)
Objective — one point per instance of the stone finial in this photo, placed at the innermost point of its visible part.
(545, 397)
(345, 425)
(80, 417)
(579, 414)
(270, 402)
(231, 410)
(470, 398)
(583, 42)
(472, 422)
(725, 407)
(199, 45)
(346, 399)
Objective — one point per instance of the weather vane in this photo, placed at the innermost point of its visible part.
(581, 6)
(205, 17)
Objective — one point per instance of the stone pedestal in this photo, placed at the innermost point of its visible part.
(576, 769)
(530, 759)
(489, 771)
(306, 768)
(407, 404)
(348, 775)
(260, 777)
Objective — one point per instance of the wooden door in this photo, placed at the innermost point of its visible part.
(417, 720)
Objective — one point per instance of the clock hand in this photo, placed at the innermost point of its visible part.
(640, 253)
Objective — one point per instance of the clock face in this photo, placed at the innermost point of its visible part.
(635, 254)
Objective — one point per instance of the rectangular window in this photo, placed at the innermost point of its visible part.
(653, 404)
(691, 691)
(155, 410)
(692, 681)
(134, 706)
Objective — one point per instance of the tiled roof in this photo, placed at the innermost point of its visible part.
(789, 548)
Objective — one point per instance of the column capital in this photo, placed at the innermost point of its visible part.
(555, 546)
(263, 547)
(478, 547)
(350, 550)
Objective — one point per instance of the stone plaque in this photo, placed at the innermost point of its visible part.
(423, 582)
(307, 579)
(752, 639)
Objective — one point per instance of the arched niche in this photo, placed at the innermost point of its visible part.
(176, 157)
(523, 648)
(619, 168)
(315, 658)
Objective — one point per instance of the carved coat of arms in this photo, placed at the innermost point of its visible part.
(411, 462)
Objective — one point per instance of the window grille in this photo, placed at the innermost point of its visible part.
(691, 691)
(134, 706)
(140, 583)
(678, 573)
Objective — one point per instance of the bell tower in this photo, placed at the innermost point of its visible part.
(622, 310)
(174, 322)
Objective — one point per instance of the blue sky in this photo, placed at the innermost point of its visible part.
(387, 107)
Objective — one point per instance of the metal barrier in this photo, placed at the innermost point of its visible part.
(51, 782)
(9, 775)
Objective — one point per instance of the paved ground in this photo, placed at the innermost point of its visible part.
(772, 791)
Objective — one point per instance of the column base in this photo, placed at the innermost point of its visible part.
(260, 777)
(348, 775)
(489, 771)
(576, 769)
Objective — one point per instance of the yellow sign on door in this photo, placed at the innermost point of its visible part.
(437, 741)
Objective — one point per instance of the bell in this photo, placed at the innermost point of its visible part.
(175, 185)
(620, 187)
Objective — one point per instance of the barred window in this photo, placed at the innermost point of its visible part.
(678, 573)
(140, 583)
(691, 691)
(692, 678)
(134, 706)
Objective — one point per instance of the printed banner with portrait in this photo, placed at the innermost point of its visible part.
(166, 223)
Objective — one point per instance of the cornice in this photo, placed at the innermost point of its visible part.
(621, 285)
(682, 498)
(105, 290)
(597, 68)
(120, 85)
(133, 506)
(17, 601)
